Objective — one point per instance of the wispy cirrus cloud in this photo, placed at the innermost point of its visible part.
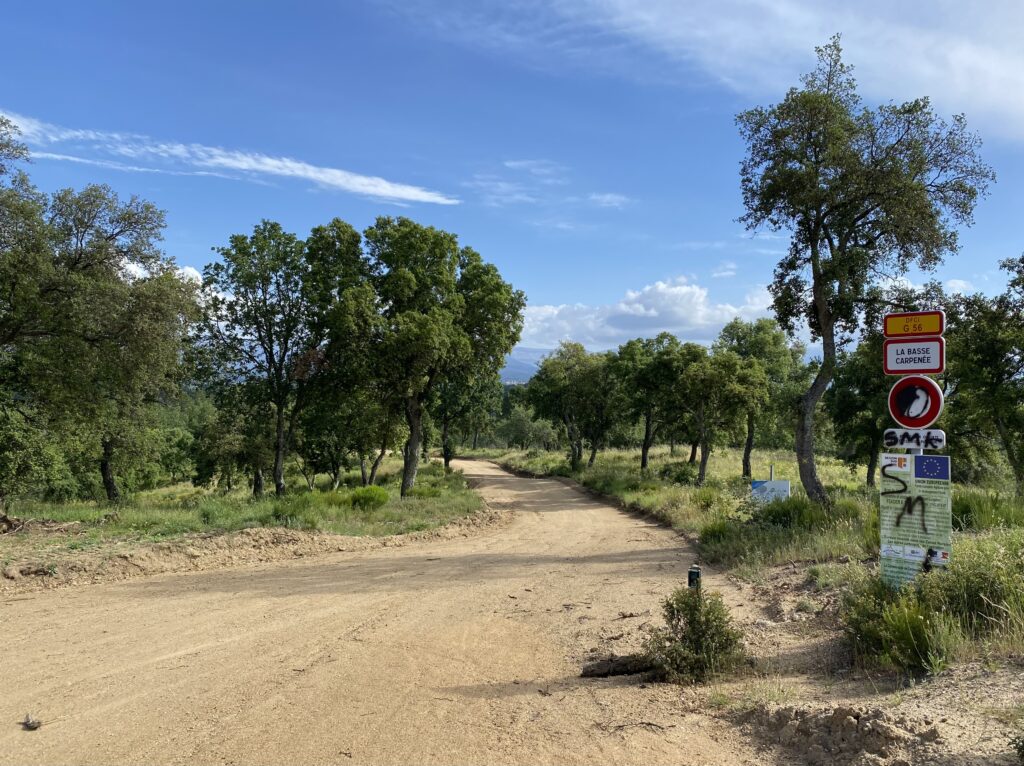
(109, 149)
(540, 182)
(545, 171)
(965, 56)
(609, 199)
(724, 269)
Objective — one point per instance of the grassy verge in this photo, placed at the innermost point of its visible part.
(438, 499)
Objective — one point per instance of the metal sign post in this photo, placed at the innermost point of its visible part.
(915, 496)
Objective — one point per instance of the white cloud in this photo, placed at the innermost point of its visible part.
(498, 192)
(545, 171)
(959, 286)
(608, 199)
(210, 160)
(677, 305)
(966, 56)
(190, 274)
(724, 269)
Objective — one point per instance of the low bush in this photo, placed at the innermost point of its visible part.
(923, 626)
(1017, 746)
(797, 512)
(679, 473)
(975, 509)
(368, 498)
(698, 639)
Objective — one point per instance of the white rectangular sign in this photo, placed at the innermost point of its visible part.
(910, 438)
(906, 356)
(766, 491)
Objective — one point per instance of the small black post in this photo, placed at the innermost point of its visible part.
(693, 577)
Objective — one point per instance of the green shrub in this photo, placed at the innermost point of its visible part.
(979, 595)
(698, 639)
(368, 498)
(431, 469)
(1017, 745)
(422, 491)
(983, 584)
(896, 628)
(679, 473)
(796, 512)
(707, 499)
(976, 509)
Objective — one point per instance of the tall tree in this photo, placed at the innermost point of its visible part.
(445, 315)
(556, 392)
(716, 390)
(765, 342)
(604, 401)
(268, 304)
(649, 370)
(865, 193)
(986, 368)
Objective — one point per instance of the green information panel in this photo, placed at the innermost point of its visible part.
(916, 515)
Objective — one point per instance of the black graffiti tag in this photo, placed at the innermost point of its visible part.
(910, 505)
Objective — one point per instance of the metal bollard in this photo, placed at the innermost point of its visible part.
(693, 577)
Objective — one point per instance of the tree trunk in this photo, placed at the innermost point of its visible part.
(872, 465)
(705, 455)
(411, 453)
(362, 472)
(748, 472)
(447, 448)
(335, 479)
(593, 457)
(805, 435)
(257, 482)
(645, 447)
(672, 447)
(279, 452)
(476, 437)
(809, 401)
(107, 472)
(376, 463)
(693, 452)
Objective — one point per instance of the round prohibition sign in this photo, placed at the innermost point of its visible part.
(915, 401)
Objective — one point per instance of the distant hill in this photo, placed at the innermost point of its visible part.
(522, 363)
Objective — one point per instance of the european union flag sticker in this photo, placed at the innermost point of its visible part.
(931, 467)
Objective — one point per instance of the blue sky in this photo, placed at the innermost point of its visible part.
(587, 147)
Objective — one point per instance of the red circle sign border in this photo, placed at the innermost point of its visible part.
(934, 410)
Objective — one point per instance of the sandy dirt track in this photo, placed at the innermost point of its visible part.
(463, 651)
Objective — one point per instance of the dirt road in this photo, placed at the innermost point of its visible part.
(464, 651)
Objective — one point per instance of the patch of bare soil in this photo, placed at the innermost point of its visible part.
(802, 694)
(120, 560)
(460, 649)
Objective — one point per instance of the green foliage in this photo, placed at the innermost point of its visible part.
(1017, 746)
(857, 403)
(986, 346)
(797, 512)
(925, 625)
(369, 498)
(679, 473)
(976, 509)
(846, 180)
(698, 640)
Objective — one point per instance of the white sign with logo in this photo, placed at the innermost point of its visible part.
(766, 491)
